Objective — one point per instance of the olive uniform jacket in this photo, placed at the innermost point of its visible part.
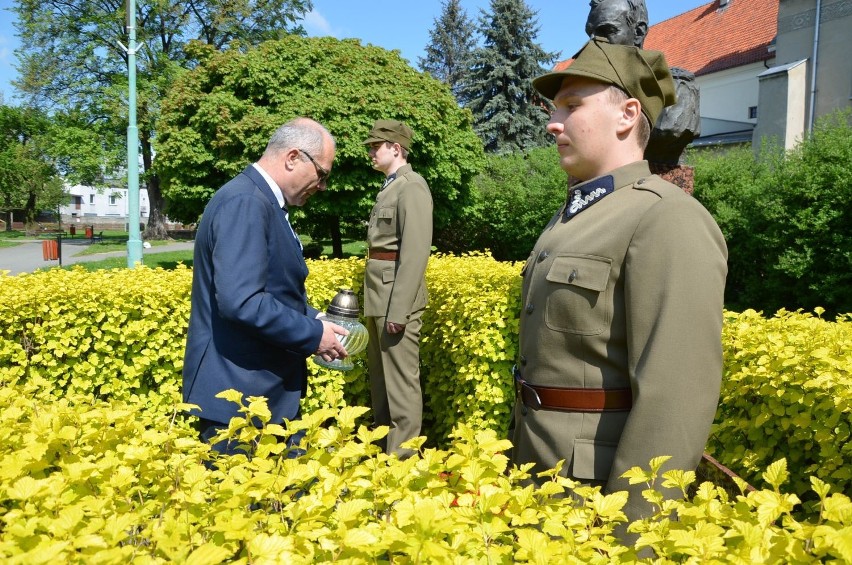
(401, 221)
(624, 289)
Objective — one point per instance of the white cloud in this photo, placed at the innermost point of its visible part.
(316, 25)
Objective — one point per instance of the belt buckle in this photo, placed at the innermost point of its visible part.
(521, 387)
(535, 401)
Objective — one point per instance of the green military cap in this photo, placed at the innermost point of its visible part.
(642, 74)
(390, 130)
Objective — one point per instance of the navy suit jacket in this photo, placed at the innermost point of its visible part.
(250, 326)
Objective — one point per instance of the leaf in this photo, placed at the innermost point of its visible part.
(264, 547)
(231, 395)
(776, 474)
(610, 506)
(209, 554)
(360, 538)
(26, 488)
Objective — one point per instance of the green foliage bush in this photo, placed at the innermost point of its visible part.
(786, 219)
(511, 202)
(219, 116)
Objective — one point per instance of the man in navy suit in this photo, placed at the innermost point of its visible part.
(250, 326)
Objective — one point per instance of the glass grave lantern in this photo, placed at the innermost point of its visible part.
(344, 311)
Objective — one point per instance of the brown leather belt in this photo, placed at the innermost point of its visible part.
(573, 399)
(384, 255)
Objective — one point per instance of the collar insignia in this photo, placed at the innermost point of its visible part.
(586, 194)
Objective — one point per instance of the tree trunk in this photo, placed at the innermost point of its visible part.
(156, 228)
(336, 238)
(30, 209)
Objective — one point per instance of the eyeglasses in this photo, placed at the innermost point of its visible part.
(322, 174)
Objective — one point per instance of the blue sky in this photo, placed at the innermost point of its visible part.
(395, 24)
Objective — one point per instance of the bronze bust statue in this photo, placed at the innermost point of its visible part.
(625, 22)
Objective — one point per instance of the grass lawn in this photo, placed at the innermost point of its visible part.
(170, 259)
(166, 260)
(116, 244)
(351, 247)
(12, 238)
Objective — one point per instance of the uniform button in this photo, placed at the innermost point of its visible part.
(572, 276)
(640, 181)
(543, 255)
(530, 308)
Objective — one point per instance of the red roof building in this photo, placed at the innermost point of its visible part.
(764, 68)
(717, 36)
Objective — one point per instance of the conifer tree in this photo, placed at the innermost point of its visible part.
(452, 39)
(508, 113)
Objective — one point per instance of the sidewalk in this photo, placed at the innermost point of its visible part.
(28, 256)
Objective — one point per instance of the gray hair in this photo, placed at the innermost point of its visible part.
(299, 133)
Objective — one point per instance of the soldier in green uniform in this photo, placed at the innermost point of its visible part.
(620, 356)
(399, 237)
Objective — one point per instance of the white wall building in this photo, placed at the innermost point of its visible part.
(90, 204)
(727, 44)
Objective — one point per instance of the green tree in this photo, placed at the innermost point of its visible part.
(451, 41)
(71, 59)
(786, 220)
(513, 199)
(218, 118)
(29, 181)
(508, 112)
(811, 193)
(733, 186)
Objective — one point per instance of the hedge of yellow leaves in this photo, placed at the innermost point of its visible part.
(787, 392)
(120, 334)
(98, 465)
(84, 480)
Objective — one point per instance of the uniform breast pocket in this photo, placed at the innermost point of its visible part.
(579, 294)
(386, 220)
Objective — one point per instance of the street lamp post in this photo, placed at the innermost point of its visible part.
(134, 240)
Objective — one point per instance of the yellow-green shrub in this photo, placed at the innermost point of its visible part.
(120, 335)
(114, 482)
(117, 333)
(787, 392)
(469, 341)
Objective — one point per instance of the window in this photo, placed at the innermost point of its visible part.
(752, 112)
(113, 199)
(91, 199)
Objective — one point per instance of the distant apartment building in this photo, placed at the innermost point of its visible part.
(90, 204)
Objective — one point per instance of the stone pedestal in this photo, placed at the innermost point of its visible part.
(679, 175)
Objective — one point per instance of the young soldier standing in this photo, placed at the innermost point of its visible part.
(620, 356)
(399, 237)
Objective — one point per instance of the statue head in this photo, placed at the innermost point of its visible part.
(622, 22)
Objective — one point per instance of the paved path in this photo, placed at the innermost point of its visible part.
(28, 256)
